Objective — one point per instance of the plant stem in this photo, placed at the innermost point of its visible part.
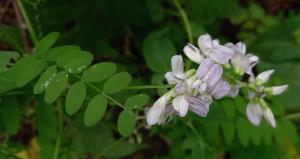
(293, 116)
(110, 147)
(60, 127)
(101, 92)
(149, 87)
(192, 127)
(28, 23)
(185, 19)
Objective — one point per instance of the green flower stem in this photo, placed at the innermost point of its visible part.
(149, 87)
(28, 23)
(101, 92)
(60, 128)
(293, 116)
(187, 27)
(185, 19)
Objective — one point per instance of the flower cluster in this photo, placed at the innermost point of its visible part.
(195, 90)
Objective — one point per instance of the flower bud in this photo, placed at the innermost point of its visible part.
(269, 116)
(276, 90)
(254, 113)
(264, 77)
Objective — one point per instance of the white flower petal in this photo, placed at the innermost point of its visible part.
(269, 116)
(178, 67)
(254, 113)
(276, 90)
(242, 47)
(154, 115)
(264, 77)
(205, 42)
(171, 78)
(193, 53)
(181, 105)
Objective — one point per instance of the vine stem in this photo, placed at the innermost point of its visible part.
(149, 87)
(185, 19)
(187, 26)
(28, 23)
(293, 116)
(60, 127)
(101, 92)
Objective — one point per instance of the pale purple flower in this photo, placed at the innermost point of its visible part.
(254, 113)
(155, 114)
(177, 75)
(242, 62)
(208, 49)
(200, 105)
(220, 89)
(263, 77)
(208, 74)
(269, 116)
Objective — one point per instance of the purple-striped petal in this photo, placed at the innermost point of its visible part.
(213, 75)
(180, 88)
(220, 89)
(169, 110)
(204, 68)
(199, 106)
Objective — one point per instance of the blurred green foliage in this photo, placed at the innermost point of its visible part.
(140, 36)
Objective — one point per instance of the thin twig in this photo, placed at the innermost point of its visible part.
(28, 23)
(60, 127)
(4, 9)
(22, 26)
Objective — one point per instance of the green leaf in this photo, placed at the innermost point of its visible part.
(75, 97)
(53, 53)
(29, 71)
(5, 59)
(56, 86)
(12, 35)
(117, 82)
(255, 134)
(157, 79)
(46, 122)
(46, 125)
(229, 108)
(11, 115)
(228, 130)
(75, 61)
(240, 104)
(266, 132)
(212, 133)
(45, 43)
(157, 51)
(99, 72)
(44, 80)
(243, 128)
(95, 110)
(137, 101)
(126, 122)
